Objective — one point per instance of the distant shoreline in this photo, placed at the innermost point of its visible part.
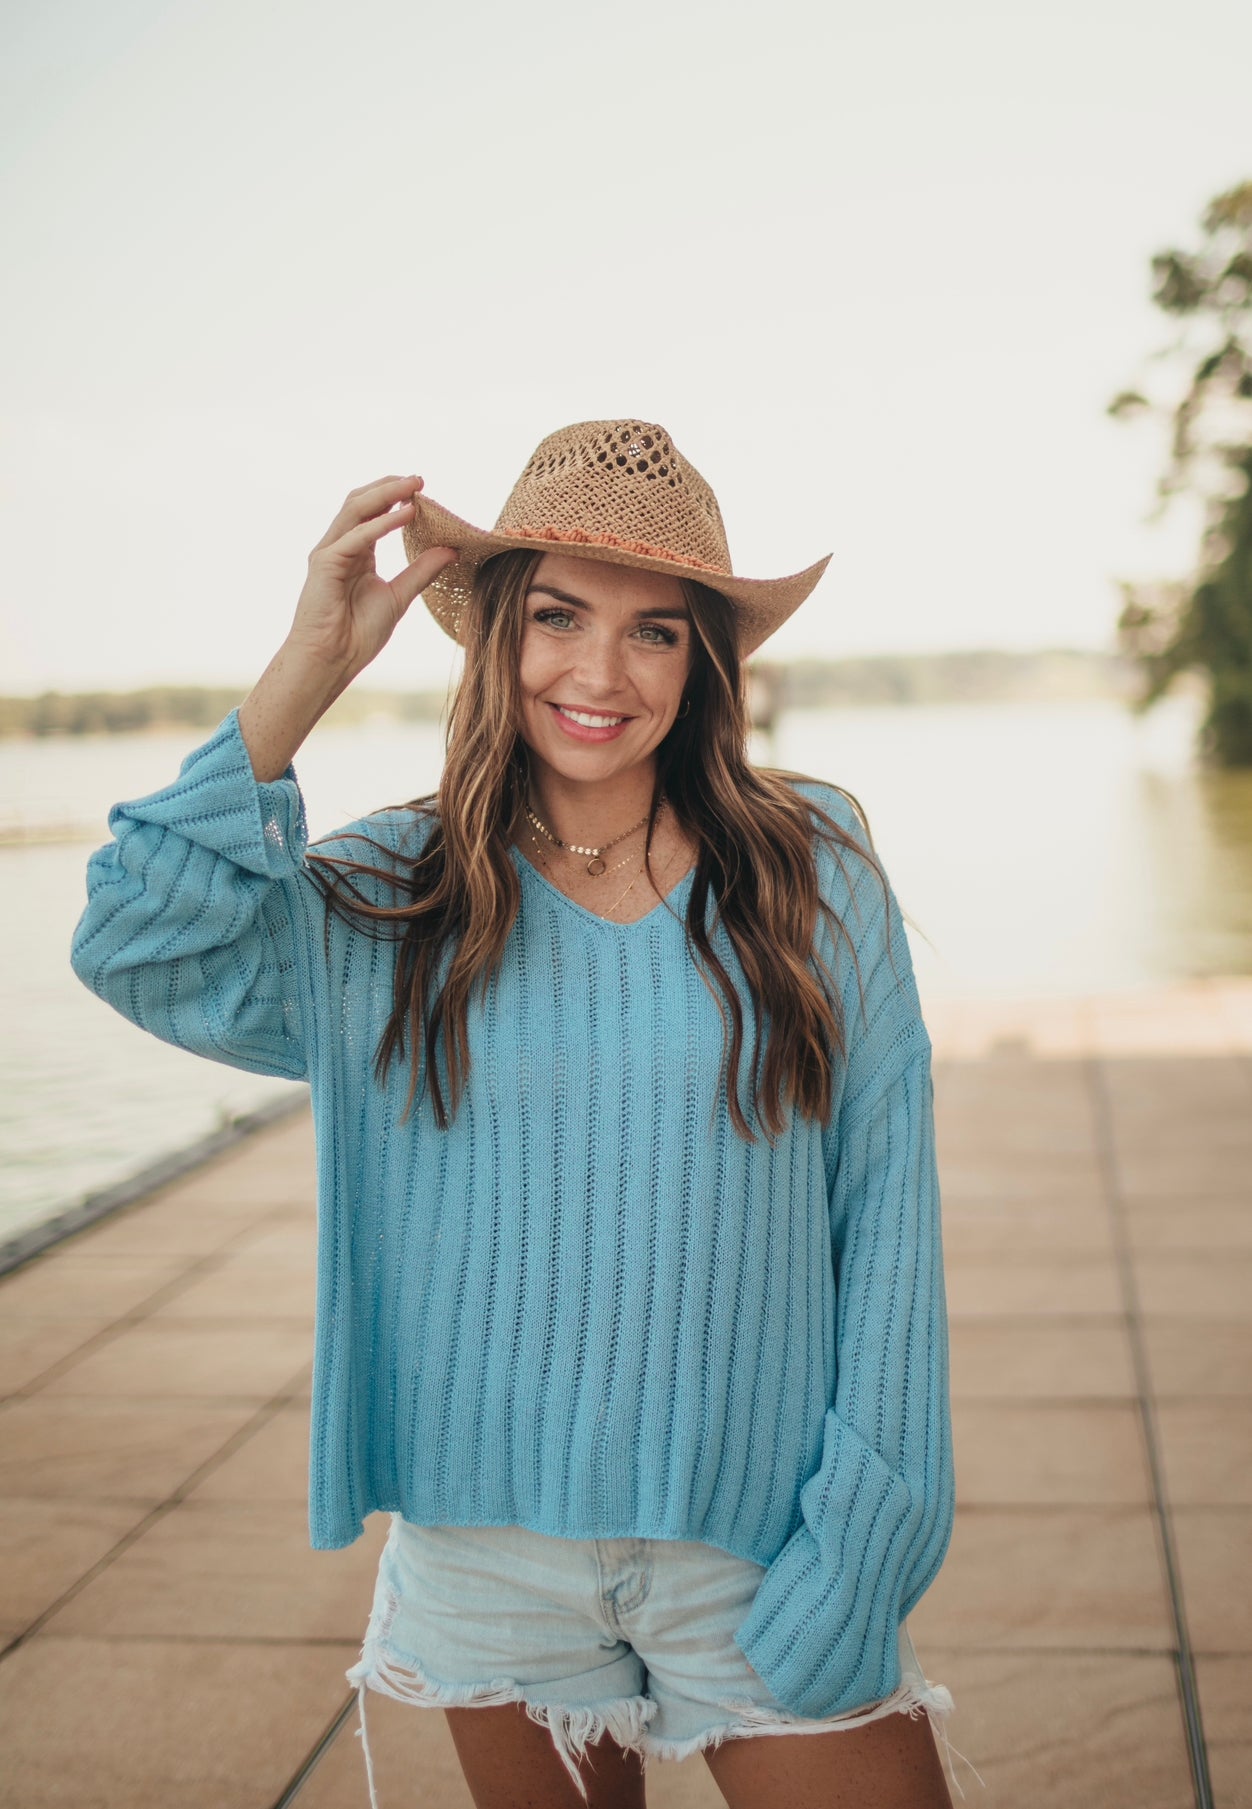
(157, 709)
(963, 676)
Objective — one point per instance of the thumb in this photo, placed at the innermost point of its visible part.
(414, 578)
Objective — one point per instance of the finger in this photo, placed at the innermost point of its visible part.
(369, 500)
(365, 534)
(384, 485)
(424, 570)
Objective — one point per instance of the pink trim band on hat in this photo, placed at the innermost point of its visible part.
(580, 537)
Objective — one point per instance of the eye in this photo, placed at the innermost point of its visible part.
(548, 616)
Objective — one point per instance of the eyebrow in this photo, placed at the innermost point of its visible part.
(564, 596)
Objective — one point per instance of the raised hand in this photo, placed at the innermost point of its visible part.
(346, 613)
(344, 617)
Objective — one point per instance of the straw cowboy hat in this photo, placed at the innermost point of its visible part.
(618, 491)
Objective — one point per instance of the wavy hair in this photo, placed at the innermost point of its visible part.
(754, 834)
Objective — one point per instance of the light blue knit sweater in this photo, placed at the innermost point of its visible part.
(580, 1309)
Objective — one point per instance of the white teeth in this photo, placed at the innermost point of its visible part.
(591, 722)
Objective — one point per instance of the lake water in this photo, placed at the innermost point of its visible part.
(1047, 848)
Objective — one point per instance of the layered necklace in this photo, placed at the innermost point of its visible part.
(596, 865)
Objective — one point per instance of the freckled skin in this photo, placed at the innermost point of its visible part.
(600, 658)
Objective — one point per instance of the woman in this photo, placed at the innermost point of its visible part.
(630, 1302)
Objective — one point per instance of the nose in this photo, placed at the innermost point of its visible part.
(598, 668)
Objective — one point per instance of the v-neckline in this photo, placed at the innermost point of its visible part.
(670, 898)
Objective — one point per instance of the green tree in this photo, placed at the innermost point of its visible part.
(1204, 623)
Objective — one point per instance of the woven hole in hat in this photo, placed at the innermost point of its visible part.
(634, 452)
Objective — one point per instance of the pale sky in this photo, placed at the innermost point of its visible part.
(877, 270)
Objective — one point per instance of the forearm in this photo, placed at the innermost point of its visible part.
(290, 697)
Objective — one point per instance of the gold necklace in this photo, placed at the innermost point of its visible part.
(603, 915)
(612, 869)
(595, 866)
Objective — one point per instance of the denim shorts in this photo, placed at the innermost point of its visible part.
(633, 1637)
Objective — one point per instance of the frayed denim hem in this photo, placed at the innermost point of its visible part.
(625, 1718)
(909, 1699)
(572, 1729)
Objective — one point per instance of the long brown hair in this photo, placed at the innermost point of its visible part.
(752, 830)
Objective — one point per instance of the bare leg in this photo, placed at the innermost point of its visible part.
(892, 1763)
(510, 1762)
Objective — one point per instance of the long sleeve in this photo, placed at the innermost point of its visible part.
(877, 1514)
(189, 929)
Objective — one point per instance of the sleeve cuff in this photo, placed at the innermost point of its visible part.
(218, 803)
(823, 1628)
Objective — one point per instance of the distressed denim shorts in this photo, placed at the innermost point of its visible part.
(633, 1637)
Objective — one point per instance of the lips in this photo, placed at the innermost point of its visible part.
(604, 719)
(583, 731)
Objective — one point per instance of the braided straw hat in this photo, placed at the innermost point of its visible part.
(616, 491)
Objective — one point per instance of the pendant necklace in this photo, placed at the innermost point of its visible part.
(602, 914)
(595, 866)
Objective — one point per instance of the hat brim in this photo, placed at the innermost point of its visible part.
(761, 604)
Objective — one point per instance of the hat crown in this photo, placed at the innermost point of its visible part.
(620, 483)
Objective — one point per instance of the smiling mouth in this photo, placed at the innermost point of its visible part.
(590, 719)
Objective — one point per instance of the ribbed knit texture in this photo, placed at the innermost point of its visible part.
(589, 1307)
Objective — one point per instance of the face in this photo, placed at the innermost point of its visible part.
(605, 640)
